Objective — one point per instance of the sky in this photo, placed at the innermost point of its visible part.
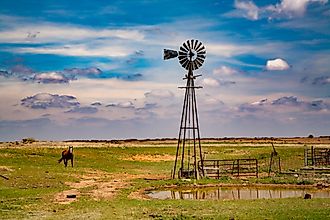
(95, 69)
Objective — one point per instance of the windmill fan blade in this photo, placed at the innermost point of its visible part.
(192, 44)
(182, 57)
(199, 45)
(200, 56)
(202, 52)
(183, 62)
(188, 44)
(196, 42)
(186, 64)
(195, 67)
(200, 49)
(185, 46)
(190, 66)
(183, 49)
(198, 63)
(199, 60)
(182, 53)
(169, 54)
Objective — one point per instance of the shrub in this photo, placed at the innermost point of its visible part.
(28, 140)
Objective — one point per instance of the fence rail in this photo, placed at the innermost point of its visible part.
(317, 156)
(236, 167)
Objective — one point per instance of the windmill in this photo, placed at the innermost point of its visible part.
(189, 160)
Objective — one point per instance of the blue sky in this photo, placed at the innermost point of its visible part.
(94, 69)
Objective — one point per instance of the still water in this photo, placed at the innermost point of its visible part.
(232, 193)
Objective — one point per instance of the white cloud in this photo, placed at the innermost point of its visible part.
(83, 110)
(286, 104)
(283, 9)
(51, 77)
(212, 101)
(127, 104)
(112, 90)
(78, 50)
(248, 9)
(210, 82)
(160, 101)
(25, 73)
(261, 102)
(224, 70)
(159, 94)
(277, 64)
(83, 71)
(44, 32)
(292, 8)
(47, 100)
(70, 40)
(227, 49)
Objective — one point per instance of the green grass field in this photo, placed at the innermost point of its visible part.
(108, 179)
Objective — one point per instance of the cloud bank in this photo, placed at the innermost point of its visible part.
(283, 9)
(46, 100)
(286, 104)
(65, 76)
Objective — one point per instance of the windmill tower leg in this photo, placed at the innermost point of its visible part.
(182, 124)
(198, 133)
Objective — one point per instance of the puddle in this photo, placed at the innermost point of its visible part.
(235, 193)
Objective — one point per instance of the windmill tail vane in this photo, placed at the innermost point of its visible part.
(169, 54)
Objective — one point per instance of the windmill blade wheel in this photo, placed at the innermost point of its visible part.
(192, 54)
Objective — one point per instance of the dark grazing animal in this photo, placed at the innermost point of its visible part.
(67, 155)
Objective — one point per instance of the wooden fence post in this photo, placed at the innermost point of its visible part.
(238, 167)
(312, 156)
(257, 168)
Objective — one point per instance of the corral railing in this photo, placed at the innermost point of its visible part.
(235, 167)
(317, 156)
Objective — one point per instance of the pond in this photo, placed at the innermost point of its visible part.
(235, 193)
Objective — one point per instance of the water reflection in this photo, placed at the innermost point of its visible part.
(236, 193)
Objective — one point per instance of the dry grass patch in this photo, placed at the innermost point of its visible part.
(150, 158)
(5, 169)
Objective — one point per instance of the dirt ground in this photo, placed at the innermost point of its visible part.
(99, 185)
